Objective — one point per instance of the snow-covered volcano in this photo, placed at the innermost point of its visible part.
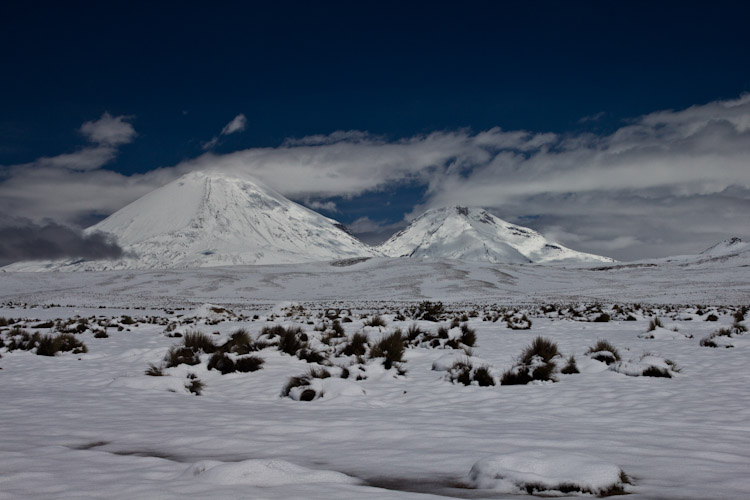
(214, 219)
(473, 234)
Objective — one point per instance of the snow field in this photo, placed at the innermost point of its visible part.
(94, 425)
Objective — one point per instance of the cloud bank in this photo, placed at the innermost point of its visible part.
(673, 181)
(23, 240)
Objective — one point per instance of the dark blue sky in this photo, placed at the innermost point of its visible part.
(391, 68)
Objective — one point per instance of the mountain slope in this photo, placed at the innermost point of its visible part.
(473, 234)
(212, 219)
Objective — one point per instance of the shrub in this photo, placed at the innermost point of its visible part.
(518, 323)
(655, 371)
(291, 340)
(602, 318)
(413, 332)
(65, 342)
(46, 324)
(357, 346)
(178, 355)
(19, 339)
(537, 362)
(468, 335)
(428, 311)
(240, 342)
(221, 362)
(127, 320)
(311, 355)
(604, 351)
(571, 367)
(654, 324)
(101, 334)
(306, 393)
(375, 321)
(712, 317)
(155, 370)
(391, 347)
(338, 329)
(194, 384)
(541, 348)
(461, 371)
(198, 341)
(515, 376)
(483, 377)
(249, 364)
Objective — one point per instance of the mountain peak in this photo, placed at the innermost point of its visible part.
(212, 218)
(728, 246)
(474, 234)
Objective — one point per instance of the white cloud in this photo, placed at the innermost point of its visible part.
(667, 182)
(326, 206)
(237, 124)
(109, 130)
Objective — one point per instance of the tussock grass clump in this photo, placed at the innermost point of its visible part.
(291, 340)
(483, 377)
(541, 348)
(603, 318)
(604, 351)
(239, 342)
(413, 333)
(654, 324)
(127, 320)
(46, 345)
(357, 346)
(710, 340)
(311, 355)
(391, 347)
(247, 364)
(299, 387)
(570, 367)
(468, 335)
(199, 341)
(655, 371)
(712, 317)
(537, 362)
(155, 370)
(181, 355)
(221, 362)
(428, 311)
(516, 322)
(337, 329)
(464, 372)
(194, 384)
(21, 340)
(375, 321)
(49, 345)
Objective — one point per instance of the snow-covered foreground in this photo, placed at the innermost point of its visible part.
(94, 425)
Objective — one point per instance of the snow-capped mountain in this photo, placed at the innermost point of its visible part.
(729, 246)
(473, 234)
(215, 219)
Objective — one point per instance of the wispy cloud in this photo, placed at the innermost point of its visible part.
(237, 124)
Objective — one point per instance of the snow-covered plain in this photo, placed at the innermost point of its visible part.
(94, 425)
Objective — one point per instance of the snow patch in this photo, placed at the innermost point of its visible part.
(546, 471)
(263, 473)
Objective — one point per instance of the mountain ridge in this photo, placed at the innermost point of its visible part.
(474, 234)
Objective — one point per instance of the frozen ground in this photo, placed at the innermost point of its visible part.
(94, 425)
